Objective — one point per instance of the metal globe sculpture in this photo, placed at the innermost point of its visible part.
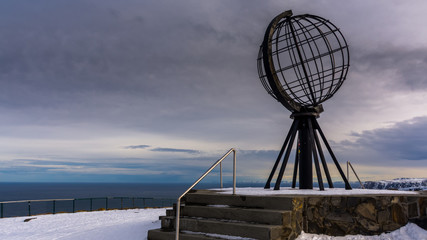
(302, 62)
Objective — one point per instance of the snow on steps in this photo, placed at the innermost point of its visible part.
(207, 216)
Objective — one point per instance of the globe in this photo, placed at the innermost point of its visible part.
(303, 61)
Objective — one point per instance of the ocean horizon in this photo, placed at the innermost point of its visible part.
(14, 191)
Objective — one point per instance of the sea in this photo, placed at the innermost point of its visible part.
(28, 199)
(22, 199)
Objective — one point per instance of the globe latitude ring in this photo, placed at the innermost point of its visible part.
(303, 61)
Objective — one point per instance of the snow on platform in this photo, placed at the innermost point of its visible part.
(313, 192)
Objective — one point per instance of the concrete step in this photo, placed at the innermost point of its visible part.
(241, 229)
(212, 198)
(261, 216)
(158, 234)
(167, 223)
(170, 212)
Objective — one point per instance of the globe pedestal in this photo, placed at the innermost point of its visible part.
(305, 129)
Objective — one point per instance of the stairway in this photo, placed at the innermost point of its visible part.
(210, 215)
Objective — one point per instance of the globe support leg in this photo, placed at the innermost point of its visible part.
(293, 128)
(322, 158)
(347, 184)
(305, 164)
(316, 159)
(285, 160)
(297, 154)
(308, 150)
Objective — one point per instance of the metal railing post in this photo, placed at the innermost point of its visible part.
(360, 182)
(106, 203)
(220, 174)
(218, 162)
(91, 204)
(74, 205)
(234, 171)
(348, 172)
(29, 208)
(53, 206)
(1, 210)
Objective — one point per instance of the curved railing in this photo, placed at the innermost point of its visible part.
(178, 203)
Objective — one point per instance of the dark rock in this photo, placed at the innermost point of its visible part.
(398, 214)
(413, 210)
(29, 219)
(383, 217)
(352, 202)
(369, 226)
(340, 218)
(367, 210)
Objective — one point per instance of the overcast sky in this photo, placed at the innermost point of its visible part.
(156, 91)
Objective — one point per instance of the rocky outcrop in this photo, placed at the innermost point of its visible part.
(407, 184)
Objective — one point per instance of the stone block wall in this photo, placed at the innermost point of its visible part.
(367, 215)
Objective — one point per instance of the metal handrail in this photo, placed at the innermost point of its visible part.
(178, 203)
(348, 175)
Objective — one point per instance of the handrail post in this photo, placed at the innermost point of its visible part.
(220, 174)
(360, 182)
(178, 202)
(348, 172)
(234, 172)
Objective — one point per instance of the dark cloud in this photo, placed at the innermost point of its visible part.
(178, 150)
(137, 146)
(407, 64)
(405, 140)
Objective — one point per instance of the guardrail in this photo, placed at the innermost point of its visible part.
(178, 203)
(72, 205)
(354, 171)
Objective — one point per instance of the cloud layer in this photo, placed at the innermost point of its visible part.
(85, 82)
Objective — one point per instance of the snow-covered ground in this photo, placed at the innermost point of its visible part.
(133, 225)
(408, 232)
(102, 225)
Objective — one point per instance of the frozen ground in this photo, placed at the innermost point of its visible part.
(133, 225)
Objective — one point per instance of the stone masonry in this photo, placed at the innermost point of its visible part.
(367, 215)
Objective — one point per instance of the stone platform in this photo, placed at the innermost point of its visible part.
(213, 214)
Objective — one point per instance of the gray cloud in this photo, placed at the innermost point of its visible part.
(408, 65)
(178, 150)
(405, 140)
(137, 146)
